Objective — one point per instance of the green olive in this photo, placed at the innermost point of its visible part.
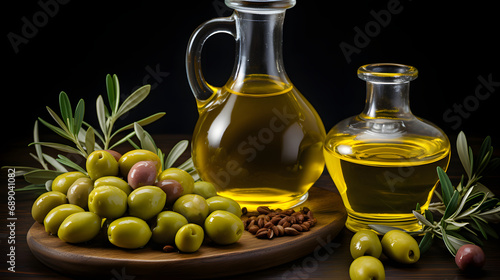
(189, 238)
(224, 203)
(193, 207)
(113, 181)
(78, 193)
(167, 225)
(108, 202)
(132, 157)
(129, 232)
(46, 202)
(101, 163)
(181, 176)
(145, 202)
(400, 246)
(367, 268)
(79, 227)
(365, 242)
(57, 215)
(224, 227)
(62, 182)
(205, 189)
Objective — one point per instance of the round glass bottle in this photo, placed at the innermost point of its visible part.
(383, 161)
(257, 138)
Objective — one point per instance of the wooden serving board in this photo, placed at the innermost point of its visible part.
(248, 254)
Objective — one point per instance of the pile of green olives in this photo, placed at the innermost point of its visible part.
(131, 201)
(366, 249)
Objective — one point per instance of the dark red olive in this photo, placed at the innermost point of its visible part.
(172, 188)
(141, 174)
(470, 257)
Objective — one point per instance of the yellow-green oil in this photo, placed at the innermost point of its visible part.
(381, 182)
(260, 142)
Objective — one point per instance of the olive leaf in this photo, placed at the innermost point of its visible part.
(133, 100)
(101, 114)
(65, 107)
(113, 89)
(78, 120)
(54, 163)
(38, 148)
(40, 176)
(175, 153)
(463, 153)
(90, 140)
(69, 163)
(446, 186)
(426, 242)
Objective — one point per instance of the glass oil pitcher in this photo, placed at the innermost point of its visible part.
(383, 161)
(257, 138)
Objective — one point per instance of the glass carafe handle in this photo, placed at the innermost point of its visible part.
(201, 89)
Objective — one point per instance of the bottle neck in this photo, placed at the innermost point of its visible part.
(259, 47)
(387, 101)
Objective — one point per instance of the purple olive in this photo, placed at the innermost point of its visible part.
(143, 173)
(470, 257)
(172, 188)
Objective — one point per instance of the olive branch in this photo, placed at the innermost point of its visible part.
(86, 139)
(466, 210)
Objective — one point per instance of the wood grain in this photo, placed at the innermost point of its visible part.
(249, 254)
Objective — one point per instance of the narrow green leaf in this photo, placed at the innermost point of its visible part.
(59, 121)
(90, 140)
(471, 236)
(96, 133)
(448, 243)
(187, 165)
(56, 129)
(116, 84)
(79, 113)
(485, 148)
(477, 225)
(65, 107)
(429, 216)
(471, 159)
(145, 138)
(38, 148)
(142, 122)
(112, 97)
(59, 147)
(54, 163)
(452, 205)
(32, 187)
(426, 242)
(422, 219)
(471, 211)
(463, 200)
(41, 176)
(133, 144)
(69, 163)
(101, 114)
(124, 139)
(493, 165)
(133, 100)
(463, 153)
(446, 186)
(176, 152)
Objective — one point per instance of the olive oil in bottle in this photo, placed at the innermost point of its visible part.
(383, 161)
(381, 183)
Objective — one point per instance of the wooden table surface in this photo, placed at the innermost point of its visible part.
(331, 260)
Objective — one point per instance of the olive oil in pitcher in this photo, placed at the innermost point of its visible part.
(257, 138)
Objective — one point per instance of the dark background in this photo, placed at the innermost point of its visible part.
(72, 50)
